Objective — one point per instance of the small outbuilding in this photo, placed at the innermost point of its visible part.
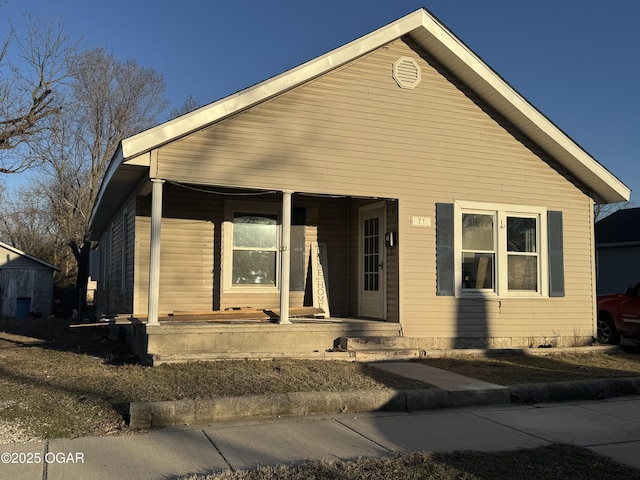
(26, 284)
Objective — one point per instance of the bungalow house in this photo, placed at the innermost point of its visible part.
(397, 184)
(26, 284)
(618, 251)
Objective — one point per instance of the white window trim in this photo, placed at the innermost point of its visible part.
(230, 209)
(501, 212)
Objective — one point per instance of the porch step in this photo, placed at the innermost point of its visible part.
(376, 343)
(380, 348)
(156, 359)
(386, 355)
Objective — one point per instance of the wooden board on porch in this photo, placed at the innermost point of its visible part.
(241, 314)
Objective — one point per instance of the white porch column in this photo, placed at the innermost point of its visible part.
(285, 255)
(154, 251)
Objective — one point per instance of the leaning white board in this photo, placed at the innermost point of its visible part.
(320, 277)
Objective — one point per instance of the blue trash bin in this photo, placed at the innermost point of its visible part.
(24, 307)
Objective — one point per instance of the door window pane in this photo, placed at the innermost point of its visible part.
(372, 254)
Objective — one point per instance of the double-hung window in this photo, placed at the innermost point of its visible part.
(499, 249)
(251, 236)
(255, 247)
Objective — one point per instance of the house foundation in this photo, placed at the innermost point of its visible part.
(175, 341)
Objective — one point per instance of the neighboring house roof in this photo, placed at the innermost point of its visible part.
(26, 255)
(620, 228)
(426, 32)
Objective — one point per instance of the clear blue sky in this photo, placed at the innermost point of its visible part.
(577, 61)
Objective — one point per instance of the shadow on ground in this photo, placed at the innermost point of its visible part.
(65, 335)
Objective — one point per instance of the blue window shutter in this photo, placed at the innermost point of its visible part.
(445, 268)
(556, 254)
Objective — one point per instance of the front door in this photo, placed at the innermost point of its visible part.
(372, 278)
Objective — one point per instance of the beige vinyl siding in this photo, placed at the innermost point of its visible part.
(326, 222)
(186, 265)
(116, 247)
(193, 247)
(392, 267)
(128, 260)
(354, 132)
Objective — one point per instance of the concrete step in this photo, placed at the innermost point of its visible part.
(376, 343)
(219, 356)
(386, 355)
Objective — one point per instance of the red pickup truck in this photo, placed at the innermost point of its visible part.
(619, 316)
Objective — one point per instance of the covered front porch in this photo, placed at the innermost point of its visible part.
(206, 336)
(252, 274)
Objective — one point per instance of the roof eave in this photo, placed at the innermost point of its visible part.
(30, 257)
(271, 87)
(461, 61)
(451, 52)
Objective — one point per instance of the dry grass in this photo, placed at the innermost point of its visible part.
(57, 381)
(551, 462)
(513, 370)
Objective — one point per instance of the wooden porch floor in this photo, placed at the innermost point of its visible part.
(241, 315)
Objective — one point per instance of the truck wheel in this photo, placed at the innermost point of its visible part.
(607, 333)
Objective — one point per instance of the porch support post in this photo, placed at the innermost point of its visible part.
(285, 255)
(154, 251)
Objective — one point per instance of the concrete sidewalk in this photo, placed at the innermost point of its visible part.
(609, 427)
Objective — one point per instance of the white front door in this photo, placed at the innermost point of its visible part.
(372, 278)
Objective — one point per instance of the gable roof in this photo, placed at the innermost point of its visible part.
(621, 227)
(26, 255)
(426, 31)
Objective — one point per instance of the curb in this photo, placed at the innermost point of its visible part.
(145, 415)
(576, 390)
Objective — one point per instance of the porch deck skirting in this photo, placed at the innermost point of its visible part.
(180, 341)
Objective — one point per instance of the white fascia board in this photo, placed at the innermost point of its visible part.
(114, 164)
(446, 48)
(517, 109)
(216, 111)
(143, 160)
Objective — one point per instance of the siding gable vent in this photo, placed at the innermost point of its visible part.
(406, 72)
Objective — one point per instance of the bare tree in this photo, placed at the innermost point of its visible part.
(27, 225)
(189, 105)
(604, 210)
(109, 100)
(32, 67)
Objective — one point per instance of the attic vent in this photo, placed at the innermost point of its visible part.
(406, 72)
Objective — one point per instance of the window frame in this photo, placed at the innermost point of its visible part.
(248, 207)
(501, 213)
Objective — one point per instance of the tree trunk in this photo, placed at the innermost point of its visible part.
(81, 254)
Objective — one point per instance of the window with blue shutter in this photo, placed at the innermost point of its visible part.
(507, 250)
